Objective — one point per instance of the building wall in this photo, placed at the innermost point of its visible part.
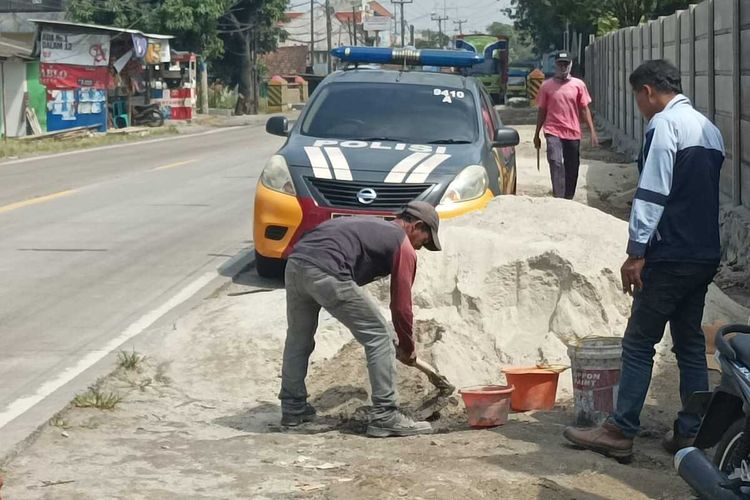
(14, 77)
(37, 93)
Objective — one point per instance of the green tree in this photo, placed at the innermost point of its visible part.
(248, 29)
(194, 23)
(432, 40)
(544, 21)
(669, 7)
(521, 49)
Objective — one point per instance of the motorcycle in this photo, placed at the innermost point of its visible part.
(149, 115)
(725, 424)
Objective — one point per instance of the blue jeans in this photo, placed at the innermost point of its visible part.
(674, 293)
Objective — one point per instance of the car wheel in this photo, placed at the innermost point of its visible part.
(269, 267)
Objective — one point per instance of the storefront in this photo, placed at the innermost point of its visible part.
(99, 75)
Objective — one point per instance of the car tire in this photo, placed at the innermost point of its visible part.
(269, 267)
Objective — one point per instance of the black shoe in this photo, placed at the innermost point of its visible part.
(673, 442)
(293, 420)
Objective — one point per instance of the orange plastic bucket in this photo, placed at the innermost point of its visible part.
(487, 405)
(536, 388)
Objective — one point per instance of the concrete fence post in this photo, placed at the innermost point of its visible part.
(737, 108)
(711, 63)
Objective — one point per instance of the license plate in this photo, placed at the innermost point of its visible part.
(384, 217)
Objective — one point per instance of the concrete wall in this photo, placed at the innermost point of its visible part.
(710, 44)
(15, 87)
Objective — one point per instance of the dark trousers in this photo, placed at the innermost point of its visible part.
(564, 157)
(674, 293)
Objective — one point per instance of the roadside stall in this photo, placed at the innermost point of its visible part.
(174, 85)
(96, 76)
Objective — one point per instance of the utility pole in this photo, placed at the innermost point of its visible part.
(312, 36)
(402, 29)
(460, 24)
(329, 34)
(439, 19)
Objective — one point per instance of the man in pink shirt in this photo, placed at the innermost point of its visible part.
(562, 101)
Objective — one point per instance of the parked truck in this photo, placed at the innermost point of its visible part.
(493, 73)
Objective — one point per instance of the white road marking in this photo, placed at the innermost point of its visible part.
(340, 165)
(421, 173)
(118, 146)
(21, 405)
(318, 162)
(398, 173)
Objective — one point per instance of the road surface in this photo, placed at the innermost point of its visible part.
(97, 246)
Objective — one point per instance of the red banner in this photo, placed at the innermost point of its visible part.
(63, 76)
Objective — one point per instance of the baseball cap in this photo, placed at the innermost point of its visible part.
(563, 56)
(427, 214)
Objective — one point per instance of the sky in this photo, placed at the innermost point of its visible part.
(478, 13)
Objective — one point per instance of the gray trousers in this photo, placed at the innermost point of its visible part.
(564, 157)
(307, 290)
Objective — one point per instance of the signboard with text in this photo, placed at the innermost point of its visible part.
(78, 50)
(63, 76)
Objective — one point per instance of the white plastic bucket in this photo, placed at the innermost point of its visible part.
(595, 367)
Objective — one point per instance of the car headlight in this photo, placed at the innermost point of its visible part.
(276, 176)
(471, 183)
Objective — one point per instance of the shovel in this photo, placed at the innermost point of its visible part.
(439, 398)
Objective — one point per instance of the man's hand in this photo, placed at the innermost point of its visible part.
(594, 140)
(407, 358)
(630, 273)
(537, 142)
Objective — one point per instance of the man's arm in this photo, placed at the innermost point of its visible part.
(402, 278)
(654, 186)
(586, 115)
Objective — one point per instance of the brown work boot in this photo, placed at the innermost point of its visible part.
(674, 442)
(606, 439)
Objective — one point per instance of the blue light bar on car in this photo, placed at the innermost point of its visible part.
(411, 57)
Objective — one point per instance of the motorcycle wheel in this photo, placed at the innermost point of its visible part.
(154, 118)
(726, 456)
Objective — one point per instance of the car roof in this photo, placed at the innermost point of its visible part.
(364, 75)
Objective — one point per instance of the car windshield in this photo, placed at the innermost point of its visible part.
(414, 114)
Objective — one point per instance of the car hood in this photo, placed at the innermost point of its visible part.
(378, 161)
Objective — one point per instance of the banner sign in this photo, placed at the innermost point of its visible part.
(63, 76)
(157, 51)
(79, 50)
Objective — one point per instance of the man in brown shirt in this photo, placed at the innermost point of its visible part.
(327, 269)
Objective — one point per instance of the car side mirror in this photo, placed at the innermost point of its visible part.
(506, 137)
(278, 125)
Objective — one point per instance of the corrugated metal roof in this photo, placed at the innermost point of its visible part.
(98, 27)
(14, 49)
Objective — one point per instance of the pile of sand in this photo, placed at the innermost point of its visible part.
(513, 286)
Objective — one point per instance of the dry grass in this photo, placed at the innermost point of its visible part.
(14, 148)
(96, 398)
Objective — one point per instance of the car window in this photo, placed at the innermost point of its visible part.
(414, 114)
(489, 115)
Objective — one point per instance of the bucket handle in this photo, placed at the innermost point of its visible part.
(578, 342)
(552, 368)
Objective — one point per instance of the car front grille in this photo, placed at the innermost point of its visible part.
(344, 194)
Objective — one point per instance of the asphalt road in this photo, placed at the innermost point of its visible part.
(97, 246)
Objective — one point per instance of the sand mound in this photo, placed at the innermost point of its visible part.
(514, 284)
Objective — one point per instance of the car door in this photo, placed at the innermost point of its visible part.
(504, 158)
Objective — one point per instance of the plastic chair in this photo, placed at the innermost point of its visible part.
(120, 114)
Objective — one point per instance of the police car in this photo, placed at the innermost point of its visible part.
(372, 139)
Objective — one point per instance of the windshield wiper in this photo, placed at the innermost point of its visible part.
(450, 141)
(381, 138)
